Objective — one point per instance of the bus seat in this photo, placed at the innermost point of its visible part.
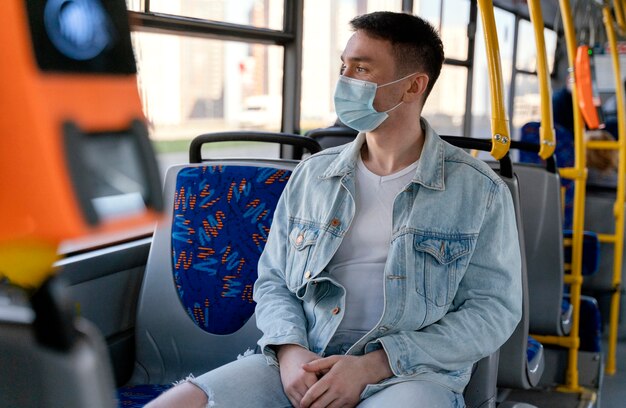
(515, 369)
(540, 201)
(598, 216)
(332, 136)
(591, 252)
(591, 324)
(481, 391)
(195, 310)
(564, 153)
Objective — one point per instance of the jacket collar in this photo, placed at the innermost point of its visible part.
(430, 168)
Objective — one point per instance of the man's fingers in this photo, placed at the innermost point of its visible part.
(320, 365)
(313, 394)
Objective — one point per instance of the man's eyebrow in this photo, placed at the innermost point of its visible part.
(357, 59)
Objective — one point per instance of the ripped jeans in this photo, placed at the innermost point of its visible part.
(251, 382)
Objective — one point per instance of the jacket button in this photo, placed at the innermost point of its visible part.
(307, 275)
(335, 310)
(382, 329)
(335, 222)
(299, 239)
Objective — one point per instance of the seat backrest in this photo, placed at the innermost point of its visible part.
(481, 391)
(598, 217)
(332, 136)
(540, 204)
(195, 309)
(564, 153)
(514, 368)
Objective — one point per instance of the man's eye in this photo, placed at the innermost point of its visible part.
(342, 69)
(360, 69)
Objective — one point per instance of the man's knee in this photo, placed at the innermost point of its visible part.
(182, 395)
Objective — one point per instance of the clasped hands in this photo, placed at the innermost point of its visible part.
(331, 382)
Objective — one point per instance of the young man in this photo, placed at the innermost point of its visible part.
(392, 264)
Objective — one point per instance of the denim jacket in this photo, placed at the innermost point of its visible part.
(452, 279)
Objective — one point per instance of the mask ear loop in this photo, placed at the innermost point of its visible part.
(393, 82)
(389, 110)
(396, 81)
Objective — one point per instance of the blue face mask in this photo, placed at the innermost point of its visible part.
(354, 103)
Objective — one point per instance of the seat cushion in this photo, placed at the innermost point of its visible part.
(221, 219)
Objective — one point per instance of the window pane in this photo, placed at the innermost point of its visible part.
(191, 86)
(481, 103)
(526, 106)
(258, 13)
(550, 37)
(527, 50)
(454, 23)
(429, 10)
(134, 5)
(326, 31)
(445, 106)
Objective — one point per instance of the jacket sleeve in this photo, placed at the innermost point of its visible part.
(486, 308)
(279, 313)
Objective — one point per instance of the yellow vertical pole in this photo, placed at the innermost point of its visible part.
(578, 174)
(501, 140)
(618, 210)
(546, 131)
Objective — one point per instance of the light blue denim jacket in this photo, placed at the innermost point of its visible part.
(452, 277)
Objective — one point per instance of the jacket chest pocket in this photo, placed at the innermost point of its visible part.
(302, 242)
(444, 261)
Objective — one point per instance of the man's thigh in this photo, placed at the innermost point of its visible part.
(247, 382)
(414, 394)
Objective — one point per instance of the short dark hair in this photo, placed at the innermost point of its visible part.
(415, 42)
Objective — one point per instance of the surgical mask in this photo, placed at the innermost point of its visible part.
(354, 103)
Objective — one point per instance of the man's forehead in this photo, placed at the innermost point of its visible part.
(363, 47)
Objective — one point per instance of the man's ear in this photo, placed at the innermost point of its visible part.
(418, 88)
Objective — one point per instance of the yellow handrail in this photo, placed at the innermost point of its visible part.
(618, 210)
(501, 141)
(578, 173)
(546, 131)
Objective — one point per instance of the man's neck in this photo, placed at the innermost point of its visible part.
(390, 149)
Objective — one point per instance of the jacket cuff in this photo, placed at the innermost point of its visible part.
(267, 345)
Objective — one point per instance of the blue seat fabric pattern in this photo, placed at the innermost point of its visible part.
(222, 216)
(136, 396)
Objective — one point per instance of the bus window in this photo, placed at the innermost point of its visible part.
(258, 13)
(445, 108)
(133, 5)
(326, 31)
(481, 105)
(429, 10)
(454, 21)
(526, 59)
(526, 106)
(191, 86)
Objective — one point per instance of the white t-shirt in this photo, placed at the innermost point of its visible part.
(360, 260)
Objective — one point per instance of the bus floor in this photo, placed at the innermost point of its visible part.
(611, 395)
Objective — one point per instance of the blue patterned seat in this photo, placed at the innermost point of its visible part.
(196, 309)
